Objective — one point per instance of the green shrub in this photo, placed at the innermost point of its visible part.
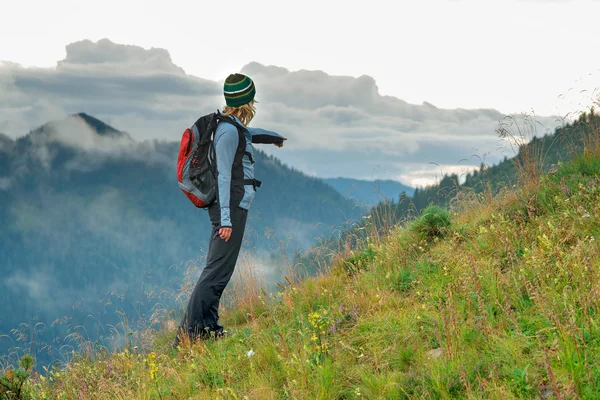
(433, 223)
(359, 261)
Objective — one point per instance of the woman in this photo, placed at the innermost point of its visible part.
(236, 188)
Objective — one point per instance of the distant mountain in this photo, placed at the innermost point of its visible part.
(92, 221)
(100, 127)
(369, 193)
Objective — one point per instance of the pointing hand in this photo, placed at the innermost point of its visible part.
(280, 144)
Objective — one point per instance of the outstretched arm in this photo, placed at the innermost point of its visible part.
(264, 136)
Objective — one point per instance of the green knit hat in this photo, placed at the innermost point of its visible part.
(239, 90)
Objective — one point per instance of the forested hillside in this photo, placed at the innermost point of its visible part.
(529, 156)
(93, 222)
(533, 154)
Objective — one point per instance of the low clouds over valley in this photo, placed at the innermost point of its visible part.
(336, 125)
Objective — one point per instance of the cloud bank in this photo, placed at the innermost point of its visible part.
(336, 125)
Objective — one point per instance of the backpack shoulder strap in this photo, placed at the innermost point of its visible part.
(240, 128)
(205, 127)
(226, 118)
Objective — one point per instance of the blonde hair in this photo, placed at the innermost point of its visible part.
(244, 113)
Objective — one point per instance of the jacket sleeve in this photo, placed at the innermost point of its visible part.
(226, 143)
(264, 136)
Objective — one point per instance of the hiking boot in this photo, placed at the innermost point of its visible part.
(204, 334)
(221, 333)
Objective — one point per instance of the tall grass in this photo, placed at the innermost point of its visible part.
(591, 138)
(522, 134)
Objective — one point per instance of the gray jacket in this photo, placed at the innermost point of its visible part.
(226, 143)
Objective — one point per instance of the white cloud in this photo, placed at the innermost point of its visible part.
(422, 176)
(40, 285)
(23, 110)
(74, 132)
(104, 55)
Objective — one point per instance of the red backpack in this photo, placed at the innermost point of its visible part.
(196, 164)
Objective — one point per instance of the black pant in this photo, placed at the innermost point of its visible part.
(202, 314)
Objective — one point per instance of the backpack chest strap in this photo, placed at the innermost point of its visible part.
(247, 182)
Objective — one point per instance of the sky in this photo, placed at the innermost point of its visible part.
(403, 67)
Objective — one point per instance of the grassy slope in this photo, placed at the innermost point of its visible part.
(504, 305)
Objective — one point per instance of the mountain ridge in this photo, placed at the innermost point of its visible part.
(368, 193)
(97, 126)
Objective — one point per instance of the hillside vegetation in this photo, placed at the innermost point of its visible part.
(534, 154)
(496, 297)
